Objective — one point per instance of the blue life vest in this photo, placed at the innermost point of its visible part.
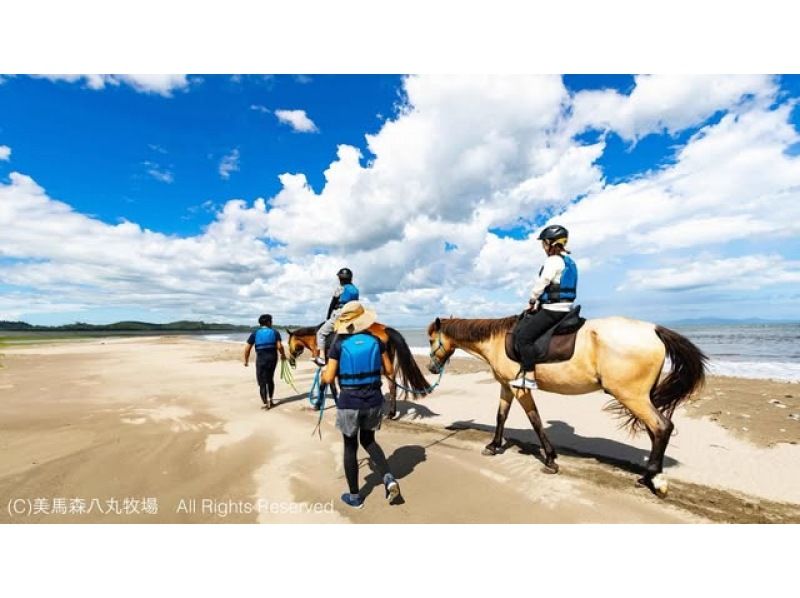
(360, 360)
(266, 339)
(349, 293)
(567, 289)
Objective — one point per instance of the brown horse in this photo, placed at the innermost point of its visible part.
(407, 373)
(622, 357)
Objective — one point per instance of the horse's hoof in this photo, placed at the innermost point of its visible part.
(392, 415)
(660, 485)
(489, 451)
(550, 468)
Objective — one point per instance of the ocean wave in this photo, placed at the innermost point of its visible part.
(760, 370)
(225, 338)
(784, 371)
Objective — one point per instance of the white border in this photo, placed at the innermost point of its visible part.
(414, 36)
(423, 37)
(490, 560)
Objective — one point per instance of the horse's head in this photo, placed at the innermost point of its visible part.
(295, 348)
(442, 347)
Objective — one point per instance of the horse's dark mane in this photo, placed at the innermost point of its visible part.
(306, 330)
(460, 329)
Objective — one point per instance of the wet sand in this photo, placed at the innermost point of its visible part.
(125, 424)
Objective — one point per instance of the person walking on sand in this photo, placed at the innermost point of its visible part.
(267, 342)
(553, 293)
(344, 293)
(356, 357)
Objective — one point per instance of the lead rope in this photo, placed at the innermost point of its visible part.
(321, 402)
(287, 376)
(428, 390)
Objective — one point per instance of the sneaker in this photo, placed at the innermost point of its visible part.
(392, 487)
(524, 383)
(353, 500)
(319, 361)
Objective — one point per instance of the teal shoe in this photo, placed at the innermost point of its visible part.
(392, 487)
(353, 500)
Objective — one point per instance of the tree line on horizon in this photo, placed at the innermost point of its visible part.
(127, 326)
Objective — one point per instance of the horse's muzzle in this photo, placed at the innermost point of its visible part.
(434, 368)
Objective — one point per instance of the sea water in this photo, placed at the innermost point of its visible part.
(767, 351)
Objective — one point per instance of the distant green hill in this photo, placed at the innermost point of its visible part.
(132, 326)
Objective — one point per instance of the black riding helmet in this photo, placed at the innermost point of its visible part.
(345, 275)
(555, 233)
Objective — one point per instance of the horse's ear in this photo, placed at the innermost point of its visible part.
(437, 325)
(289, 332)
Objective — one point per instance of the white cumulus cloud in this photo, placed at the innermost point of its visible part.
(747, 273)
(5, 153)
(665, 103)
(163, 85)
(297, 119)
(159, 173)
(229, 164)
(464, 159)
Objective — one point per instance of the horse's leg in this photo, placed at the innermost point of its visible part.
(506, 398)
(525, 399)
(392, 385)
(392, 400)
(659, 428)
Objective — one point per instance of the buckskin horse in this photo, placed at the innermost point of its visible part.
(620, 356)
(407, 373)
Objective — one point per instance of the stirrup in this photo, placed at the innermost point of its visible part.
(524, 383)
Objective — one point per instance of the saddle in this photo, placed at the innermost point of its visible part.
(556, 344)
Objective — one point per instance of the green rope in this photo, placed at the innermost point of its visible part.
(287, 376)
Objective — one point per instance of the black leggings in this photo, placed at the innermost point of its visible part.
(265, 374)
(351, 463)
(534, 326)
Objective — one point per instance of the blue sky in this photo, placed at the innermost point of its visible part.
(207, 196)
(93, 150)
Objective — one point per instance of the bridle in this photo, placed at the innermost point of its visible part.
(435, 360)
(292, 354)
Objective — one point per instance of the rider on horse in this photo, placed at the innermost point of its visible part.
(553, 293)
(344, 293)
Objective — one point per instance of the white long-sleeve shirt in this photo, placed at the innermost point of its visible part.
(551, 272)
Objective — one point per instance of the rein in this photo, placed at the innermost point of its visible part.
(441, 367)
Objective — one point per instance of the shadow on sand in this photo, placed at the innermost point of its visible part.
(409, 410)
(292, 399)
(401, 463)
(567, 442)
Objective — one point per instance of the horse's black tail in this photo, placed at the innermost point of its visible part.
(687, 375)
(409, 374)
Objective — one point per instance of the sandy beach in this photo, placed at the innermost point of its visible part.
(168, 429)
